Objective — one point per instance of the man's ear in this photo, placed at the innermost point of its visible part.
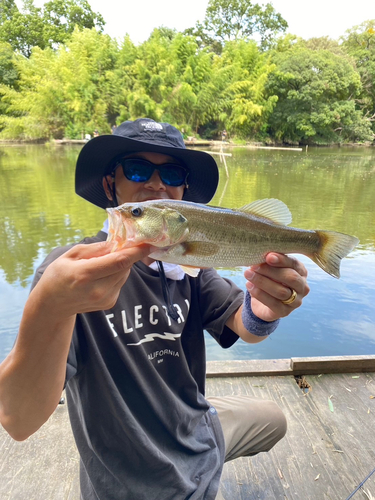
(108, 181)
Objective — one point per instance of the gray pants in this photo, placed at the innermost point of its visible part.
(249, 425)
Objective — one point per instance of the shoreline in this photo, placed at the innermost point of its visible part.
(195, 143)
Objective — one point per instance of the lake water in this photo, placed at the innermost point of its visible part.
(325, 188)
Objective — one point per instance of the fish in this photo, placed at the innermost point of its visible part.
(197, 236)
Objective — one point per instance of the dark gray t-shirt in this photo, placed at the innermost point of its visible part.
(135, 388)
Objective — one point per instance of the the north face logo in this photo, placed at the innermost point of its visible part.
(151, 126)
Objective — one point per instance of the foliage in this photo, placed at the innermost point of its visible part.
(228, 20)
(24, 30)
(323, 43)
(65, 92)
(359, 43)
(61, 77)
(8, 71)
(234, 96)
(8, 9)
(45, 27)
(316, 98)
(8, 77)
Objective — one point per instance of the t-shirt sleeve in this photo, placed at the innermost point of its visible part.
(219, 298)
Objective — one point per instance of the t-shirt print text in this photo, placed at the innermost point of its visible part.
(144, 317)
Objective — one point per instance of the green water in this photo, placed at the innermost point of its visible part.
(325, 188)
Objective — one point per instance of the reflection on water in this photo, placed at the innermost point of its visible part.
(325, 188)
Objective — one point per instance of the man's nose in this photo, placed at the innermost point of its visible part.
(155, 181)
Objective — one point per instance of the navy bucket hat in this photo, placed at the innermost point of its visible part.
(98, 157)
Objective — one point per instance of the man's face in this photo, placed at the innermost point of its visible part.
(153, 189)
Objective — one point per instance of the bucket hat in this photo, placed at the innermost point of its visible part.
(98, 158)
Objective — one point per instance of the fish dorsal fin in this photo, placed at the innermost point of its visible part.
(270, 208)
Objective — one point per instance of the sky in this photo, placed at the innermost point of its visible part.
(305, 18)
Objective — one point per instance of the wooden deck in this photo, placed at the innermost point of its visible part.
(328, 450)
(325, 454)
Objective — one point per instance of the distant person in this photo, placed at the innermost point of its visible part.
(224, 135)
(125, 334)
(96, 132)
(113, 129)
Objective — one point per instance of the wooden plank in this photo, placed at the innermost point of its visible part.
(249, 146)
(293, 366)
(218, 153)
(333, 364)
(248, 368)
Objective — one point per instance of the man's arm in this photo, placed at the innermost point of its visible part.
(86, 278)
(269, 284)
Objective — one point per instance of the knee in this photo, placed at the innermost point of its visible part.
(277, 422)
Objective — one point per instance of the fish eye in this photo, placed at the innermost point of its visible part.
(137, 211)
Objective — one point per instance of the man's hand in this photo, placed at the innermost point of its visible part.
(274, 281)
(87, 278)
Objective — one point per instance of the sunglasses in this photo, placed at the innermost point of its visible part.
(139, 170)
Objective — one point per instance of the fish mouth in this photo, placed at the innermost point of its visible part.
(120, 232)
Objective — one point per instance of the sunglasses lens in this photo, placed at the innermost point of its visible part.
(138, 170)
(173, 175)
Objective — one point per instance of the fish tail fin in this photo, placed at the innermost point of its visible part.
(333, 247)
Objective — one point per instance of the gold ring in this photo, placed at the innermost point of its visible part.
(292, 298)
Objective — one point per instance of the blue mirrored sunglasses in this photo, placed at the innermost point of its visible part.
(140, 170)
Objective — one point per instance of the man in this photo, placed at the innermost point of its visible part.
(126, 337)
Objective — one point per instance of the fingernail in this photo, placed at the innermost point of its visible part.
(273, 259)
(249, 274)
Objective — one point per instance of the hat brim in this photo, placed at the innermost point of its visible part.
(97, 157)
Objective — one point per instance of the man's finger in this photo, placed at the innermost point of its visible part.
(121, 260)
(281, 260)
(101, 262)
(82, 251)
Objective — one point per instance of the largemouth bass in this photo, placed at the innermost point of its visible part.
(198, 236)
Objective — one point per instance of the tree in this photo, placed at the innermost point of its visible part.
(153, 76)
(24, 30)
(8, 70)
(229, 20)
(323, 43)
(46, 27)
(235, 96)
(359, 43)
(60, 17)
(65, 92)
(8, 8)
(8, 77)
(316, 93)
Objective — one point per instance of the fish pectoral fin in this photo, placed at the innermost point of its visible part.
(202, 248)
(191, 271)
(269, 208)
